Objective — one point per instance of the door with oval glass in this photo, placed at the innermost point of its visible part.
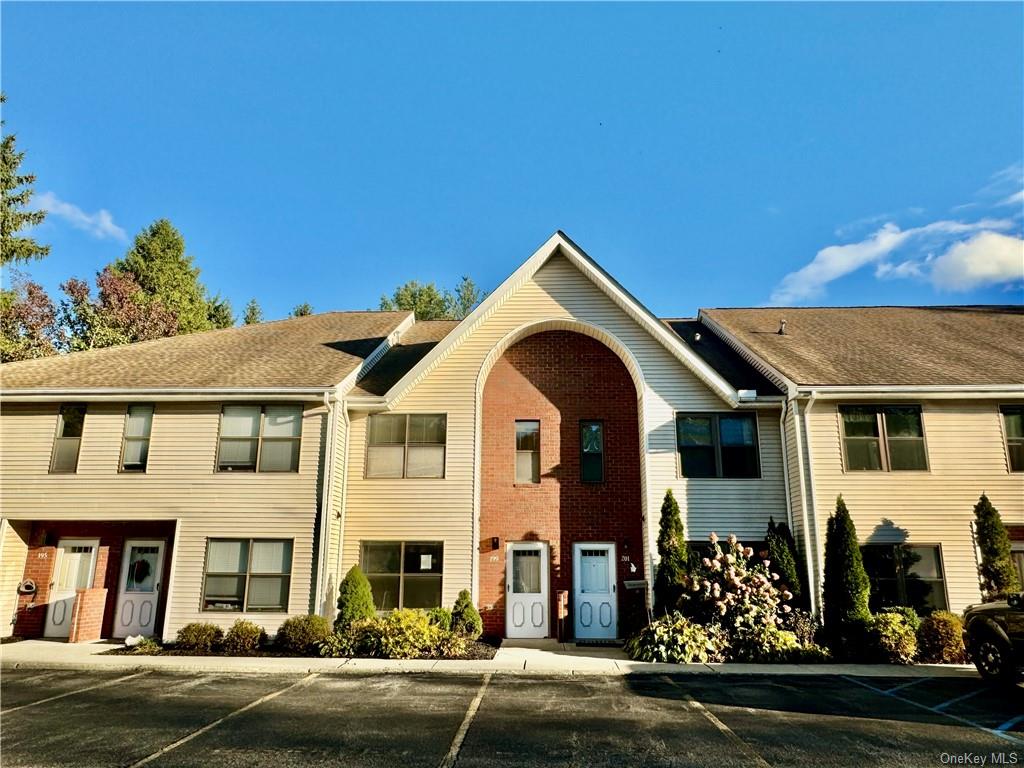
(526, 589)
(139, 590)
(594, 592)
(73, 569)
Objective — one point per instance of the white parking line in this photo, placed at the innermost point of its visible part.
(460, 735)
(994, 731)
(907, 685)
(728, 732)
(72, 693)
(185, 739)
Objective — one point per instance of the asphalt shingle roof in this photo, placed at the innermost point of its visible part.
(312, 351)
(412, 347)
(876, 346)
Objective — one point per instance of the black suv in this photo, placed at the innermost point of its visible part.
(994, 636)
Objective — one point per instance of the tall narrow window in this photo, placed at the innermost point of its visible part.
(1013, 419)
(883, 438)
(282, 431)
(718, 445)
(135, 448)
(592, 451)
(247, 574)
(406, 445)
(527, 452)
(254, 437)
(66, 444)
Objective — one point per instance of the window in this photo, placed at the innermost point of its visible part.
(903, 574)
(404, 574)
(135, 445)
(66, 444)
(527, 452)
(407, 445)
(717, 445)
(1013, 419)
(247, 574)
(1017, 556)
(592, 451)
(883, 438)
(267, 437)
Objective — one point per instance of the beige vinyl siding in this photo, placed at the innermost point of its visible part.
(180, 484)
(443, 509)
(13, 549)
(966, 456)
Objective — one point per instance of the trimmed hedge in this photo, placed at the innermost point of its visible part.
(940, 639)
(244, 638)
(199, 637)
(302, 635)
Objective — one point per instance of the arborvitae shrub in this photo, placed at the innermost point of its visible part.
(846, 586)
(355, 599)
(782, 558)
(465, 617)
(672, 550)
(997, 574)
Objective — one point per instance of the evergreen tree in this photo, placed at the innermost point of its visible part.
(673, 557)
(783, 557)
(355, 599)
(426, 301)
(846, 586)
(253, 313)
(303, 309)
(218, 312)
(463, 299)
(465, 617)
(997, 574)
(15, 194)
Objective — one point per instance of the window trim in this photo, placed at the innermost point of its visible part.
(583, 422)
(259, 438)
(883, 436)
(716, 442)
(1002, 409)
(901, 578)
(516, 452)
(405, 452)
(401, 567)
(247, 575)
(125, 438)
(57, 436)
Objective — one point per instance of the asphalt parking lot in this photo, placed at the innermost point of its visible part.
(67, 718)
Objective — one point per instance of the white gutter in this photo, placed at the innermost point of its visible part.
(987, 392)
(162, 394)
(812, 582)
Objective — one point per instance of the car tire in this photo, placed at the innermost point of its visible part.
(993, 658)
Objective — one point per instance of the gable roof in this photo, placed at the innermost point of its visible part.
(413, 346)
(312, 352)
(559, 243)
(720, 356)
(959, 346)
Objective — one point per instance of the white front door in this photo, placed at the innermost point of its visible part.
(595, 601)
(139, 589)
(526, 589)
(73, 570)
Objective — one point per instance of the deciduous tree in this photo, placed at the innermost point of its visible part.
(28, 321)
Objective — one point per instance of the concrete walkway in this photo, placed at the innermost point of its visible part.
(542, 657)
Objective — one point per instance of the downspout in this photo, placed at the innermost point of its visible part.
(785, 463)
(818, 550)
(344, 488)
(812, 582)
(325, 507)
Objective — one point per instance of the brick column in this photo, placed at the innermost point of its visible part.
(32, 608)
(87, 615)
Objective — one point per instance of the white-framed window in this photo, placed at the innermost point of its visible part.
(410, 445)
(138, 423)
(527, 452)
(883, 438)
(259, 438)
(247, 575)
(68, 440)
(1013, 423)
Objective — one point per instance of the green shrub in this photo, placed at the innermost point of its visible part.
(302, 635)
(147, 646)
(440, 617)
(673, 556)
(466, 619)
(890, 639)
(243, 638)
(997, 574)
(403, 634)
(676, 639)
(908, 613)
(355, 599)
(199, 637)
(782, 556)
(450, 645)
(846, 587)
(336, 644)
(810, 654)
(763, 644)
(940, 639)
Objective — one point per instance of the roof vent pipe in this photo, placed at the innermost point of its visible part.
(696, 336)
(782, 327)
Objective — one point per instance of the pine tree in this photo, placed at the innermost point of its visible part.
(253, 313)
(302, 310)
(16, 193)
(355, 599)
(846, 586)
(218, 312)
(782, 557)
(673, 557)
(997, 574)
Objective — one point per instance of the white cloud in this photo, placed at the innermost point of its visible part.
(835, 261)
(988, 258)
(1017, 198)
(100, 224)
(909, 268)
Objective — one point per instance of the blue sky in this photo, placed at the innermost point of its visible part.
(706, 155)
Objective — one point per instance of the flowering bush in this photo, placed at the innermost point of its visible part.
(676, 639)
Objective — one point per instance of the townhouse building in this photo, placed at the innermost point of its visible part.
(522, 453)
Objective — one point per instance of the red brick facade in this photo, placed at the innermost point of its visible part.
(560, 379)
(94, 607)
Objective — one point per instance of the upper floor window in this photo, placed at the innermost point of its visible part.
(404, 574)
(135, 443)
(718, 445)
(406, 445)
(904, 574)
(1013, 418)
(68, 440)
(247, 574)
(260, 438)
(591, 451)
(883, 438)
(527, 452)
